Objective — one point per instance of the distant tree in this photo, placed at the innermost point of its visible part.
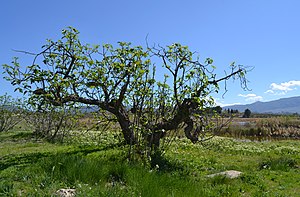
(218, 109)
(247, 113)
(123, 81)
(234, 111)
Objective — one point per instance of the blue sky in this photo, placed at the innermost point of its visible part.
(264, 34)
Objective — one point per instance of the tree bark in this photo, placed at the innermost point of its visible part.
(182, 115)
(125, 124)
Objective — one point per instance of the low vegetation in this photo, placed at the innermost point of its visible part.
(274, 126)
(100, 167)
(10, 115)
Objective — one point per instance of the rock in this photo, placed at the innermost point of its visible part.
(232, 174)
(66, 192)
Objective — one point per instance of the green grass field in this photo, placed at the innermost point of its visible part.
(30, 167)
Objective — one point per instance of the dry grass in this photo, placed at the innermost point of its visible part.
(278, 126)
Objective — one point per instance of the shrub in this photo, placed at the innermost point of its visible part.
(10, 112)
(281, 163)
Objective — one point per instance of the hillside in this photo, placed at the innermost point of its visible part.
(280, 106)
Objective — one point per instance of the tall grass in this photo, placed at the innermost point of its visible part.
(283, 163)
(95, 176)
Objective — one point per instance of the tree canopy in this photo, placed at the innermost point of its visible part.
(123, 81)
(247, 113)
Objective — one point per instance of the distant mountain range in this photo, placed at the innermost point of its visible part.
(280, 106)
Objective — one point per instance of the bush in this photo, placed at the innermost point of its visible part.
(10, 112)
(51, 123)
(282, 163)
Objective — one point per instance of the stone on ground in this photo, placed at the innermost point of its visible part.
(66, 192)
(232, 174)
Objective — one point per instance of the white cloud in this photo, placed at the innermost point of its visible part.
(251, 97)
(247, 95)
(270, 92)
(222, 104)
(226, 104)
(230, 104)
(283, 88)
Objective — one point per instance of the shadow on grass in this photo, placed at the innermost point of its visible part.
(29, 158)
(162, 164)
(16, 135)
